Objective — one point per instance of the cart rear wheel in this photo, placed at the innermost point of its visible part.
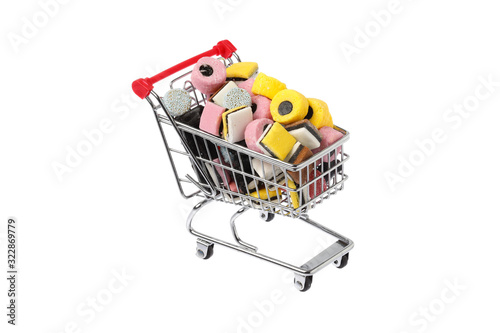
(204, 250)
(303, 283)
(342, 262)
(267, 216)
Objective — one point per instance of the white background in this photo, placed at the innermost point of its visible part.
(120, 210)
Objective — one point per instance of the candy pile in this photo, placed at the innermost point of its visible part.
(257, 111)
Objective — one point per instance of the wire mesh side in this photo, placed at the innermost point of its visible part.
(245, 180)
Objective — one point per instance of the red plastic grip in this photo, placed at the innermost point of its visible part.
(142, 87)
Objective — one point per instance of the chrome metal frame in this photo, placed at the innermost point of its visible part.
(215, 171)
(332, 253)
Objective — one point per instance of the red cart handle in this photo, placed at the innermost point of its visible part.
(142, 87)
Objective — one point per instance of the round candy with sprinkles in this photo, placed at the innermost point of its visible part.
(178, 101)
(237, 97)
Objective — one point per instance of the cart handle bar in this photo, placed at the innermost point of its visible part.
(143, 87)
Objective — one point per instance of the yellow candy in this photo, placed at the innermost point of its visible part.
(267, 86)
(277, 142)
(294, 195)
(289, 106)
(241, 70)
(321, 116)
(262, 194)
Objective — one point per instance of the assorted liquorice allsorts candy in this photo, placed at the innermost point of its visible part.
(330, 169)
(289, 106)
(178, 101)
(302, 195)
(206, 150)
(241, 164)
(220, 94)
(258, 112)
(265, 194)
(306, 133)
(192, 117)
(254, 131)
(234, 123)
(261, 107)
(318, 186)
(318, 113)
(211, 119)
(330, 136)
(241, 71)
(293, 198)
(297, 155)
(267, 86)
(221, 175)
(244, 187)
(247, 85)
(208, 75)
(195, 143)
(237, 97)
(276, 141)
(267, 171)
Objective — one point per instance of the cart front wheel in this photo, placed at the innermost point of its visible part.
(342, 262)
(266, 216)
(303, 283)
(204, 250)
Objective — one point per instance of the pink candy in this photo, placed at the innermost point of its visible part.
(330, 136)
(208, 75)
(263, 107)
(247, 85)
(254, 131)
(321, 185)
(211, 118)
(263, 103)
(233, 187)
(223, 173)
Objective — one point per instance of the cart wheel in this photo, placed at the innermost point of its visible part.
(267, 216)
(303, 283)
(204, 250)
(342, 262)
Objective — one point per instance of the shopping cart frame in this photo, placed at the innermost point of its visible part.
(208, 189)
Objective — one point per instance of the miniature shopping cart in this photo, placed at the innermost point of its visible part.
(212, 170)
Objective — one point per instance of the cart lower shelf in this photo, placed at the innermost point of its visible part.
(336, 254)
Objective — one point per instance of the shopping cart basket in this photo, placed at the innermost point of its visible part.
(216, 162)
